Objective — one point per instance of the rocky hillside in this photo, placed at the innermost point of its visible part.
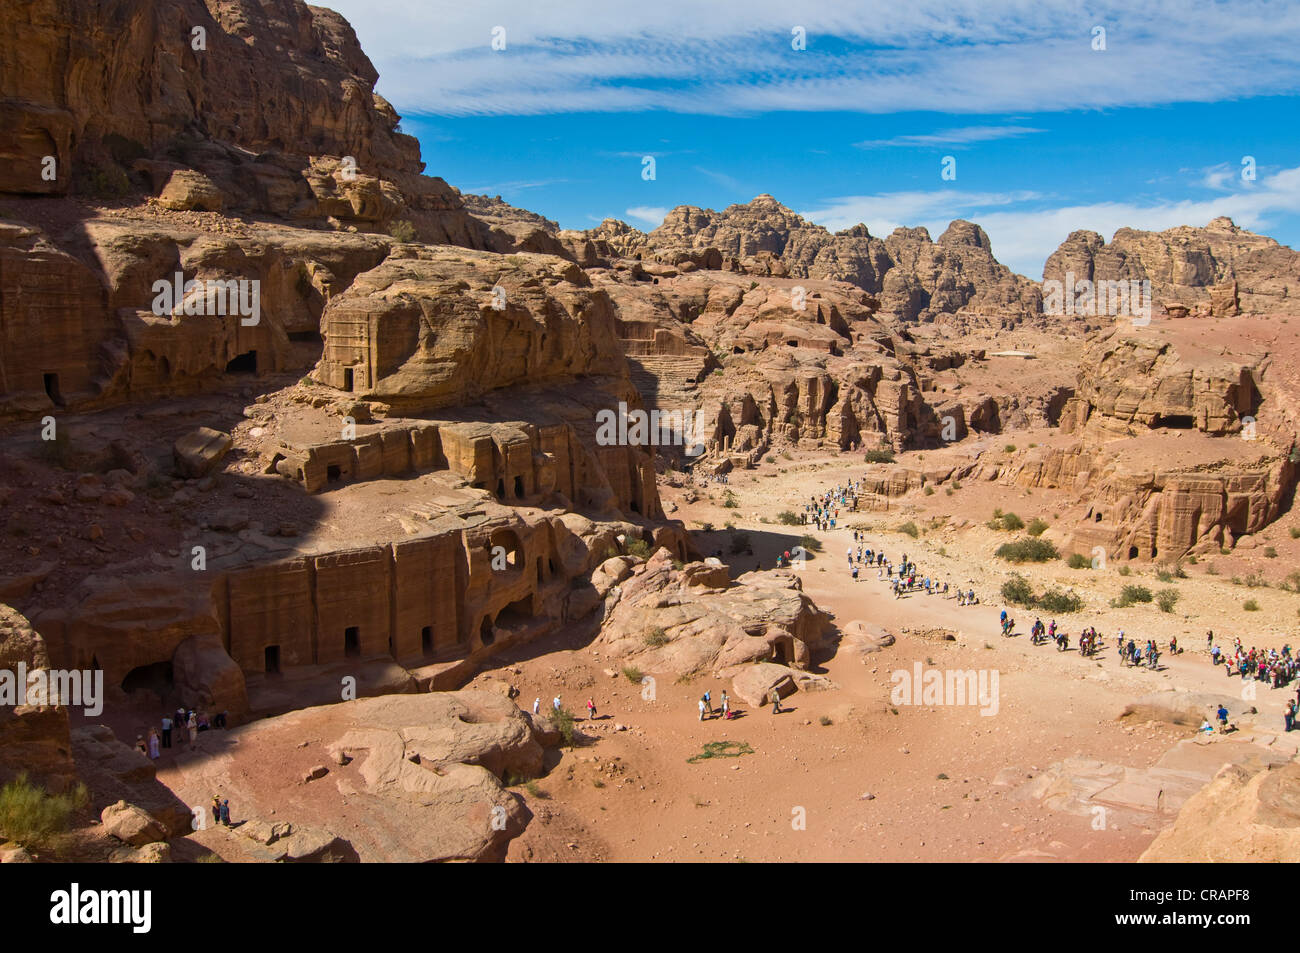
(1219, 269)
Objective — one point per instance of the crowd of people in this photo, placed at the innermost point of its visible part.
(823, 510)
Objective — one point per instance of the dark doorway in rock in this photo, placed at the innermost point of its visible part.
(781, 653)
(271, 660)
(347, 378)
(485, 632)
(52, 389)
(156, 678)
(519, 488)
(1177, 421)
(1132, 552)
(333, 474)
(245, 363)
(352, 641)
(426, 640)
(501, 489)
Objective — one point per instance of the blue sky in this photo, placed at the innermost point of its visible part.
(1049, 133)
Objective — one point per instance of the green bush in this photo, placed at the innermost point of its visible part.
(1130, 595)
(909, 529)
(1166, 599)
(1124, 570)
(32, 816)
(1009, 448)
(639, 548)
(810, 543)
(632, 674)
(729, 500)
(1037, 527)
(1017, 591)
(1295, 532)
(1056, 601)
(1027, 550)
(1078, 561)
(1250, 605)
(563, 720)
(879, 456)
(787, 518)
(1270, 552)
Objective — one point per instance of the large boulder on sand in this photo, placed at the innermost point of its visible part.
(207, 678)
(131, 825)
(198, 452)
(756, 684)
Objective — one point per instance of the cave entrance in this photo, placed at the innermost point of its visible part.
(426, 640)
(52, 389)
(271, 660)
(156, 678)
(1132, 552)
(333, 473)
(519, 488)
(347, 378)
(781, 652)
(245, 363)
(519, 611)
(1176, 421)
(501, 489)
(485, 633)
(352, 641)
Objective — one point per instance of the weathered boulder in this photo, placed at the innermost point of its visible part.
(198, 452)
(131, 825)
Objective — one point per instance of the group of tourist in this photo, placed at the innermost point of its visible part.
(1262, 665)
(822, 511)
(183, 728)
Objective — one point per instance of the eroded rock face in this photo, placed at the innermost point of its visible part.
(1246, 814)
(1219, 269)
(689, 620)
(424, 330)
(34, 738)
(913, 276)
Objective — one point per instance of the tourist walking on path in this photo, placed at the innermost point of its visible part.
(591, 710)
(701, 709)
(537, 704)
(166, 731)
(776, 702)
(193, 727)
(154, 751)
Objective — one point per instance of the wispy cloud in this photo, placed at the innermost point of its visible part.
(957, 138)
(954, 56)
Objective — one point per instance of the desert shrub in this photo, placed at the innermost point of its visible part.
(1018, 591)
(1250, 605)
(563, 720)
(633, 674)
(729, 500)
(909, 529)
(706, 527)
(656, 637)
(1295, 532)
(1027, 550)
(1166, 599)
(1131, 595)
(639, 548)
(1164, 575)
(1054, 600)
(1124, 570)
(1009, 448)
(825, 720)
(1210, 569)
(402, 230)
(721, 749)
(810, 543)
(32, 816)
(1036, 527)
(1270, 552)
(929, 491)
(1078, 561)
(787, 518)
(878, 456)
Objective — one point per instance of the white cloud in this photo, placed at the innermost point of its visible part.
(1022, 238)
(651, 215)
